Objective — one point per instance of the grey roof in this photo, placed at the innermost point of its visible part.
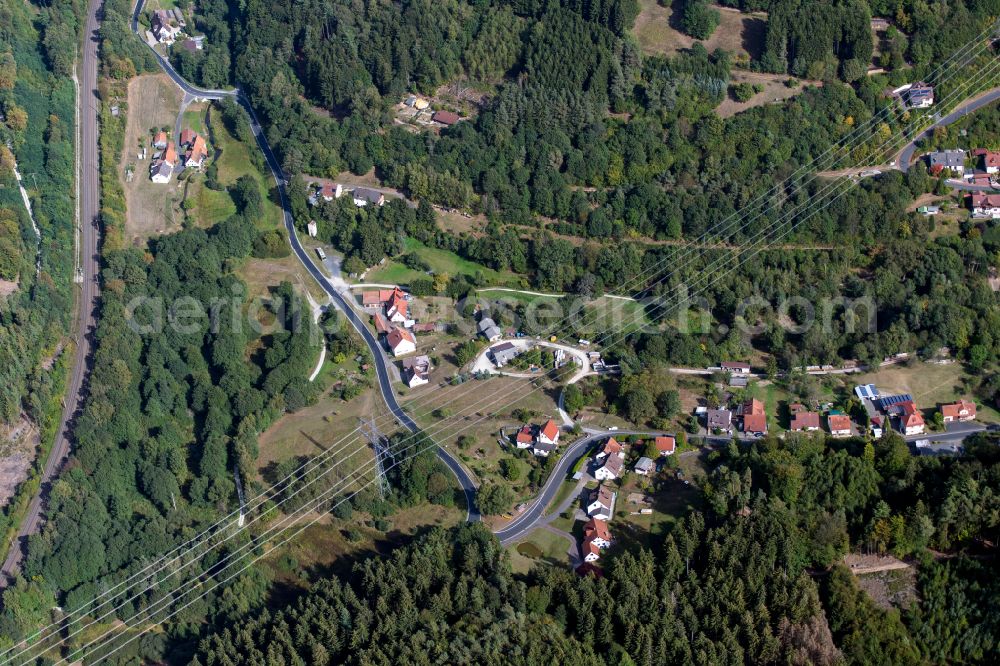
(486, 323)
(368, 195)
(541, 446)
(491, 332)
(644, 464)
(719, 418)
(952, 159)
(162, 169)
(504, 352)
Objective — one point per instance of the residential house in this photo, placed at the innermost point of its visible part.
(736, 367)
(445, 117)
(754, 418)
(611, 447)
(929, 211)
(610, 468)
(162, 26)
(910, 420)
(401, 341)
(382, 326)
(602, 504)
(990, 160)
(963, 410)
(919, 96)
(719, 419)
(951, 161)
(985, 205)
(162, 169)
(416, 370)
(839, 424)
(524, 438)
(160, 172)
(549, 433)
(196, 153)
(363, 196)
(644, 466)
(489, 329)
(591, 552)
(666, 445)
(803, 419)
(160, 140)
(396, 308)
(504, 353)
(597, 532)
(543, 449)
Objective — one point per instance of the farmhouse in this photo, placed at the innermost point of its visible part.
(162, 168)
(909, 418)
(963, 410)
(197, 151)
(160, 140)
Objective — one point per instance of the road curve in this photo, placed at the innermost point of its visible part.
(528, 520)
(906, 154)
(342, 301)
(89, 210)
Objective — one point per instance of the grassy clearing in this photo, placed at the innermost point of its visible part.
(541, 547)
(929, 384)
(153, 103)
(775, 90)
(740, 34)
(233, 160)
(440, 261)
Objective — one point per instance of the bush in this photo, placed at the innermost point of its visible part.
(270, 245)
(494, 498)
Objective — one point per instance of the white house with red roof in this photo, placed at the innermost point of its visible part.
(611, 447)
(524, 438)
(839, 424)
(910, 420)
(597, 533)
(963, 410)
(401, 341)
(666, 445)
(549, 433)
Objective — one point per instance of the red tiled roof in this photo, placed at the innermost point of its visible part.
(911, 416)
(838, 422)
(955, 410)
(161, 137)
(611, 446)
(445, 117)
(397, 335)
(399, 304)
(550, 429)
(187, 136)
(598, 528)
(755, 423)
(985, 200)
(805, 420)
(991, 158)
(524, 435)
(666, 444)
(590, 548)
(381, 325)
(371, 298)
(170, 154)
(754, 407)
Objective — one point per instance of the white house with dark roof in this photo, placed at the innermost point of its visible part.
(602, 504)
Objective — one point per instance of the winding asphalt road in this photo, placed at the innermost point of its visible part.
(90, 289)
(906, 154)
(342, 301)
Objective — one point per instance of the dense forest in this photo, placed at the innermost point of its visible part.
(752, 579)
(37, 48)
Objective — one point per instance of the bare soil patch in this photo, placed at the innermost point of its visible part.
(775, 91)
(18, 443)
(153, 103)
